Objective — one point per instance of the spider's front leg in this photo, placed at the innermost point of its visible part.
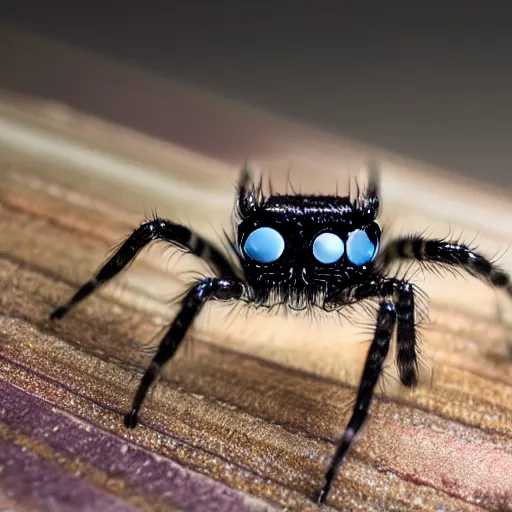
(397, 308)
(156, 229)
(448, 253)
(195, 299)
(386, 320)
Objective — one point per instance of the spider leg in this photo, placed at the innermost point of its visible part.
(403, 295)
(197, 296)
(386, 320)
(446, 253)
(397, 308)
(406, 336)
(156, 229)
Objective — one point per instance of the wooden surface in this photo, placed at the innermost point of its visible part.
(247, 416)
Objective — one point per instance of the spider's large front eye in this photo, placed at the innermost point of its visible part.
(360, 249)
(264, 245)
(328, 248)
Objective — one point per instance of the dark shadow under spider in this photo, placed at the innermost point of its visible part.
(303, 251)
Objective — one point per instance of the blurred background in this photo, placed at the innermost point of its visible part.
(427, 80)
(156, 106)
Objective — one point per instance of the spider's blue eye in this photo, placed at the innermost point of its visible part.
(328, 248)
(360, 249)
(264, 245)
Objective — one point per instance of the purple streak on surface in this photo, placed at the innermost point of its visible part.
(144, 472)
(28, 479)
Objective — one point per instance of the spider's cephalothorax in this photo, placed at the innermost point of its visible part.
(303, 251)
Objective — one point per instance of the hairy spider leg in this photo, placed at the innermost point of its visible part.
(446, 253)
(406, 336)
(422, 250)
(433, 253)
(386, 320)
(196, 298)
(398, 311)
(403, 296)
(156, 229)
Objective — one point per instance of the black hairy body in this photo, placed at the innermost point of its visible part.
(304, 252)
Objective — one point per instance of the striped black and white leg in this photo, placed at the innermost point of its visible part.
(446, 253)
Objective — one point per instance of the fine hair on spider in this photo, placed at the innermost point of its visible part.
(304, 251)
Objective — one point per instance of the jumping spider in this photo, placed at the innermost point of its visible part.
(303, 251)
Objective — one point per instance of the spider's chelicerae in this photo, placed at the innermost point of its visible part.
(303, 251)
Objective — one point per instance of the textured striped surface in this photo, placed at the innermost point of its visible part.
(247, 416)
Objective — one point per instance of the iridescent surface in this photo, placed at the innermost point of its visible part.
(211, 418)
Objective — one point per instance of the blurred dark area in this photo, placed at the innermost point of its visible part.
(430, 80)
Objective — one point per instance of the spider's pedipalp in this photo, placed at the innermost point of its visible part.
(402, 294)
(406, 336)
